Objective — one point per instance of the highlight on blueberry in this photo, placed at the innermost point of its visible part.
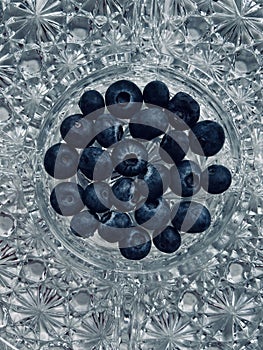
(216, 179)
(174, 146)
(114, 226)
(129, 158)
(156, 93)
(77, 131)
(92, 104)
(148, 124)
(84, 224)
(67, 198)
(207, 138)
(183, 111)
(123, 98)
(108, 130)
(185, 178)
(95, 163)
(136, 245)
(154, 181)
(125, 194)
(97, 197)
(168, 240)
(61, 161)
(190, 216)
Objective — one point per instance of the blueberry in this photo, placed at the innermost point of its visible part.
(97, 197)
(108, 130)
(154, 181)
(156, 93)
(129, 158)
(207, 138)
(77, 131)
(92, 104)
(148, 124)
(216, 179)
(84, 224)
(153, 214)
(185, 111)
(185, 178)
(66, 198)
(114, 226)
(168, 241)
(125, 193)
(123, 98)
(174, 146)
(95, 163)
(190, 217)
(61, 161)
(136, 245)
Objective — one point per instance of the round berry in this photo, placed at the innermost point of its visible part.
(84, 224)
(207, 138)
(77, 131)
(153, 214)
(123, 98)
(108, 130)
(185, 178)
(97, 197)
(125, 193)
(114, 226)
(168, 241)
(61, 161)
(174, 146)
(92, 104)
(148, 124)
(136, 245)
(66, 198)
(130, 158)
(184, 111)
(95, 163)
(216, 179)
(189, 216)
(156, 93)
(154, 181)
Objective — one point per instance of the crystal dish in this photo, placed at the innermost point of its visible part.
(59, 292)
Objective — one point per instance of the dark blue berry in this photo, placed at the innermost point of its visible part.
(123, 98)
(97, 197)
(156, 93)
(185, 111)
(148, 124)
(153, 214)
(190, 217)
(95, 163)
(185, 178)
(126, 194)
(114, 226)
(92, 104)
(77, 131)
(216, 179)
(154, 181)
(108, 130)
(168, 241)
(67, 198)
(129, 158)
(84, 224)
(61, 161)
(136, 245)
(174, 146)
(207, 138)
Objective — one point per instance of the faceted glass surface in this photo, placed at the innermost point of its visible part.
(59, 292)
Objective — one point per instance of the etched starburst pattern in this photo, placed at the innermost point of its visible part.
(169, 331)
(9, 267)
(238, 21)
(230, 312)
(35, 20)
(41, 309)
(96, 332)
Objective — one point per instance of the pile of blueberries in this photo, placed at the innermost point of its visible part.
(121, 189)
